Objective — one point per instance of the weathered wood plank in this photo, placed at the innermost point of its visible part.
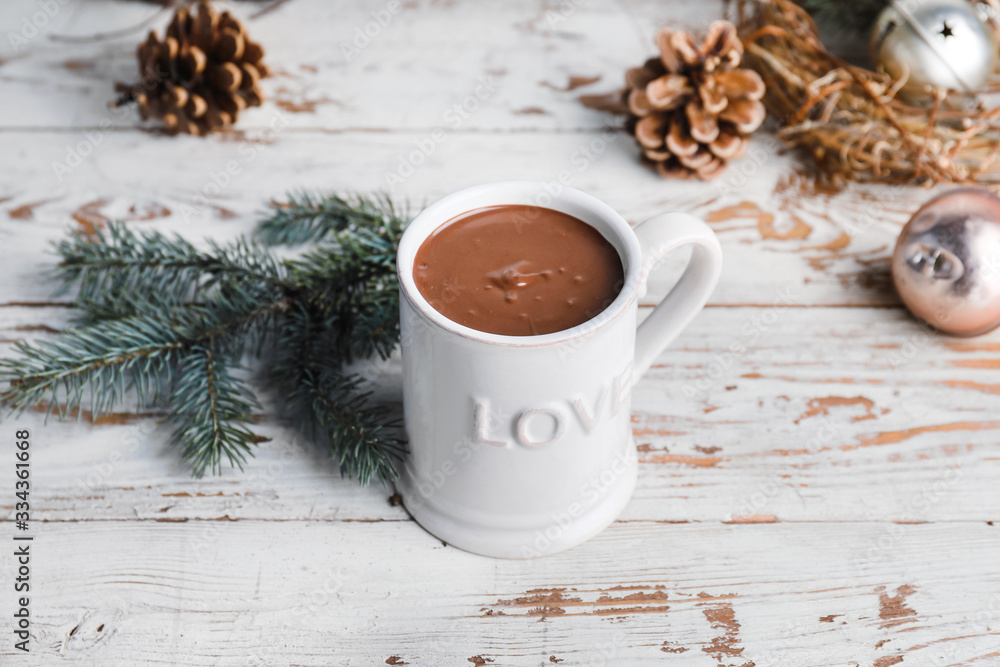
(469, 65)
(827, 414)
(784, 239)
(817, 482)
(211, 593)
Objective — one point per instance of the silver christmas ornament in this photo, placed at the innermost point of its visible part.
(939, 43)
(946, 266)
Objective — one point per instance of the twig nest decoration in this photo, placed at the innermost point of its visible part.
(693, 108)
(936, 43)
(851, 120)
(200, 76)
(946, 266)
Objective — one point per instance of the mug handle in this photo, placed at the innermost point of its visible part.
(657, 237)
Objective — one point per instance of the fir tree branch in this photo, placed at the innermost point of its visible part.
(103, 359)
(369, 324)
(309, 217)
(166, 319)
(356, 307)
(329, 405)
(210, 408)
(108, 358)
(351, 288)
(119, 261)
(234, 319)
(110, 306)
(361, 437)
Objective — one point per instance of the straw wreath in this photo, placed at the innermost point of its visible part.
(852, 120)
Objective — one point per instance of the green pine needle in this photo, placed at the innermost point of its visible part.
(210, 408)
(119, 261)
(104, 360)
(363, 438)
(164, 320)
(307, 217)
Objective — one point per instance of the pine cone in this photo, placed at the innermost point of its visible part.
(202, 74)
(693, 108)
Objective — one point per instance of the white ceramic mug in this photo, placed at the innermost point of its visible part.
(521, 446)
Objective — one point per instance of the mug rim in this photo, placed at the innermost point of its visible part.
(512, 193)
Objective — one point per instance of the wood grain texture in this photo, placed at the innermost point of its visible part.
(305, 593)
(785, 240)
(541, 56)
(818, 472)
(822, 417)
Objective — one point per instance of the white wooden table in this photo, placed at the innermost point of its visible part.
(818, 476)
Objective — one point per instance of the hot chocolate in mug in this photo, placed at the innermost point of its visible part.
(521, 446)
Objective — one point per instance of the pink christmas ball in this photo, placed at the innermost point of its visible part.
(946, 266)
